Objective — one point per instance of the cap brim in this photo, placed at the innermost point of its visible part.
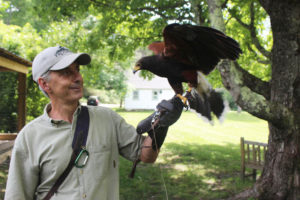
(80, 58)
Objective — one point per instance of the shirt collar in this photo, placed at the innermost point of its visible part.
(57, 122)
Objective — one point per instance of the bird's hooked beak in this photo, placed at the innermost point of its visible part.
(136, 68)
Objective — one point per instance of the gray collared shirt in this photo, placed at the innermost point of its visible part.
(43, 149)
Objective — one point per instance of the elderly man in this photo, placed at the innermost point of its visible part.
(93, 136)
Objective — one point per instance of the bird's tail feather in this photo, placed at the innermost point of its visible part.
(217, 104)
(199, 104)
(207, 103)
(203, 100)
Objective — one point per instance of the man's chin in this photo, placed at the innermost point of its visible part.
(77, 96)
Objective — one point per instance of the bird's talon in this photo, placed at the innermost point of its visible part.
(183, 99)
(186, 107)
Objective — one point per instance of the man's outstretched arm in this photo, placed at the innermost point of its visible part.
(157, 125)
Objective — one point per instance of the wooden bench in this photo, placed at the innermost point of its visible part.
(252, 156)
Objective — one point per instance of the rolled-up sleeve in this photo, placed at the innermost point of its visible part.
(129, 142)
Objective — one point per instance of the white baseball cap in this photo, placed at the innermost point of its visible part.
(56, 58)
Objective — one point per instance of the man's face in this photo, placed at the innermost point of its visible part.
(66, 85)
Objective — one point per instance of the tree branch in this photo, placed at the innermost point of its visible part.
(198, 11)
(224, 5)
(228, 20)
(253, 83)
(233, 80)
(252, 102)
(163, 8)
(154, 9)
(235, 16)
(265, 62)
(251, 28)
(159, 10)
(101, 3)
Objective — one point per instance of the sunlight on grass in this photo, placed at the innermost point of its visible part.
(191, 129)
(197, 160)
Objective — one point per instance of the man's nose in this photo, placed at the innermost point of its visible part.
(77, 76)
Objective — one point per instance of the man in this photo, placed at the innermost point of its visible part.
(44, 146)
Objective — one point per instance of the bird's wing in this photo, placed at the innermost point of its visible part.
(199, 46)
(157, 47)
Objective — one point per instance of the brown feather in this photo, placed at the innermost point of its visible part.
(202, 47)
(157, 47)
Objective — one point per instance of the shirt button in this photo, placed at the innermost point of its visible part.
(81, 171)
(84, 196)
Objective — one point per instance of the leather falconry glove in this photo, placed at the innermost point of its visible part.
(157, 124)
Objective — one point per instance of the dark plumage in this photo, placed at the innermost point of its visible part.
(188, 52)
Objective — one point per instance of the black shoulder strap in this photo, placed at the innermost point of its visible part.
(82, 125)
(79, 140)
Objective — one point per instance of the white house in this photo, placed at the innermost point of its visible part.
(146, 94)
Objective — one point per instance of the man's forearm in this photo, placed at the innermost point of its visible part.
(167, 113)
(148, 155)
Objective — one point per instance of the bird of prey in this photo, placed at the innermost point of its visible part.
(187, 53)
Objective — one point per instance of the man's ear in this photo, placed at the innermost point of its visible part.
(44, 85)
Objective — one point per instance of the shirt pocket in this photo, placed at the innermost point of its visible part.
(100, 156)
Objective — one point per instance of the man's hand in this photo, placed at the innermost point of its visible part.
(157, 124)
(170, 111)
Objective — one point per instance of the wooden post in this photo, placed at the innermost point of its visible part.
(21, 100)
(259, 155)
(253, 154)
(265, 149)
(254, 160)
(243, 159)
(248, 153)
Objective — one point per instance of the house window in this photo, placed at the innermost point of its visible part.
(154, 95)
(135, 95)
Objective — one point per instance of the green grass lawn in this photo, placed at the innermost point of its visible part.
(197, 161)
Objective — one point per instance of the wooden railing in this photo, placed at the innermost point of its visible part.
(6, 144)
(252, 156)
(8, 136)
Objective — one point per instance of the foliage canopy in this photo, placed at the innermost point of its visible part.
(112, 31)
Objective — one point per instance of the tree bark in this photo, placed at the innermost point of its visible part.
(280, 179)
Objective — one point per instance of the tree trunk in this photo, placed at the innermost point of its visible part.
(121, 103)
(280, 178)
